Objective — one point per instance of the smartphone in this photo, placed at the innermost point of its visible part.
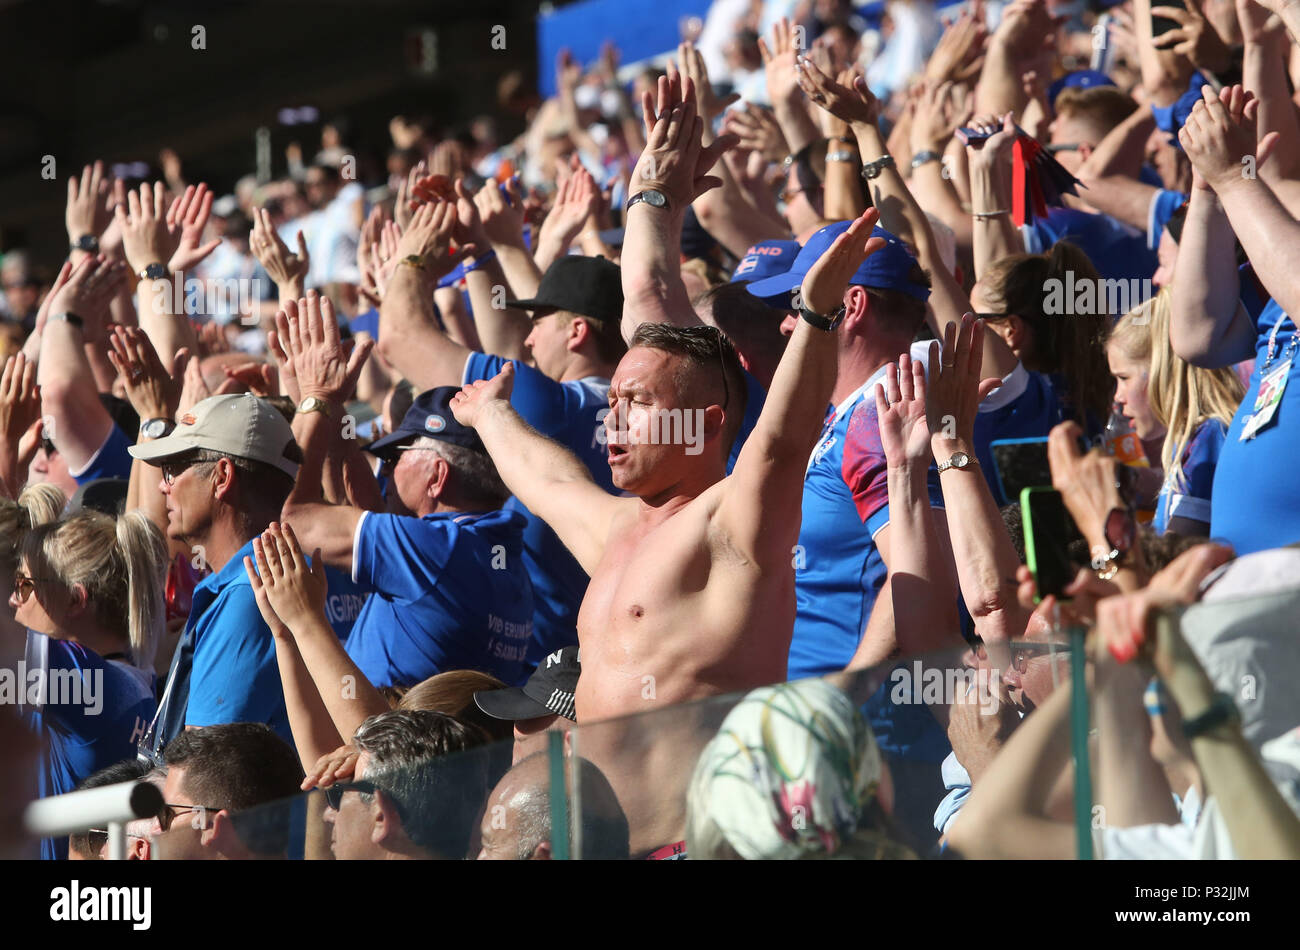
(1048, 530)
(1019, 464)
(1161, 25)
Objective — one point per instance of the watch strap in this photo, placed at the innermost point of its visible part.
(71, 318)
(640, 198)
(925, 157)
(1221, 711)
(826, 324)
(871, 170)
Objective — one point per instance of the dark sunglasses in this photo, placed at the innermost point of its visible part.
(334, 794)
(170, 812)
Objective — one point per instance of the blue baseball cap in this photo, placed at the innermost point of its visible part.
(1079, 79)
(887, 269)
(767, 259)
(429, 416)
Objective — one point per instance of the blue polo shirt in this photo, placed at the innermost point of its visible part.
(451, 592)
(224, 668)
(1256, 502)
(839, 570)
(86, 725)
(1119, 252)
(111, 461)
(571, 413)
(1024, 407)
(1189, 497)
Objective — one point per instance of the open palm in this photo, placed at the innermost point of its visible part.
(900, 409)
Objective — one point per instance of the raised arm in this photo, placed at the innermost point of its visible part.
(20, 415)
(675, 164)
(409, 336)
(788, 103)
(288, 270)
(501, 330)
(549, 479)
(76, 421)
(756, 512)
(1264, 72)
(309, 335)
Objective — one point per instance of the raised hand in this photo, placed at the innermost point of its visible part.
(294, 589)
(194, 388)
(366, 242)
(309, 334)
(468, 404)
(1194, 38)
(142, 219)
(93, 283)
(469, 226)
(854, 104)
(674, 160)
(959, 53)
(1219, 137)
(405, 204)
(575, 201)
(956, 389)
(693, 68)
(153, 392)
(20, 411)
(288, 270)
(900, 408)
(260, 379)
(779, 62)
(427, 242)
(288, 380)
(756, 129)
(503, 221)
(828, 278)
(995, 151)
(87, 210)
(941, 108)
(186, 220)
(338, 766)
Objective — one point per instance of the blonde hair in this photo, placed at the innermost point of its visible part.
(120, 563)
(452, 693)
(1183, 397)
(36, 505)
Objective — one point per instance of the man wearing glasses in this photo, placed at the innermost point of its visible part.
(227, 467)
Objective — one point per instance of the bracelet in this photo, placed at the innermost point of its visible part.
(71, 318)
(981, 215)
(872, 170)
(846, 139)
(923, 158)
(413, 260)
(1221, 711)
(843, 155)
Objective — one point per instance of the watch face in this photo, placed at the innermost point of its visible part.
(155, 271)
(960, 460)
(1121, 530)
(655, 198)
(154, 428)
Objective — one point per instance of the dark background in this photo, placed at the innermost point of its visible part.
(119, 80)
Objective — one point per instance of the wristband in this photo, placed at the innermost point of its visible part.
(70, 318)
(480, 261)
(843, 155)
(982, 215)
(413, 260)
(1221, 712)
(924, 158)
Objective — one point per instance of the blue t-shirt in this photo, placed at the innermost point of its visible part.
(344, 599)
(451, 592)
(755, 397)
(1119, 252)
(1163, 206)
(839, 570)
(111, 461)
(1024, 407)
(572, 413)
(1256, 505)
(367, 322)
(92, 715)
(1190, 497)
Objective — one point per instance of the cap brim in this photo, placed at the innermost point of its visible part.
(384, 443)
(775, 286)
(167, 447)
(511, 704)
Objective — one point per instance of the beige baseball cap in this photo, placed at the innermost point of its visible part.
(240, 425)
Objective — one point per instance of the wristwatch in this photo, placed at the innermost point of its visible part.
(87, 242)
(873, 169)
(827, 323)
(843, 155)
(959, 460)
(156, 428)
(154, 271)
(1120, 530)
(71, 318)
(313, 404)
(655, 199)
(929, 155)
(1222, 711)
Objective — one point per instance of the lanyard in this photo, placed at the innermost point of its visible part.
(1272, 342)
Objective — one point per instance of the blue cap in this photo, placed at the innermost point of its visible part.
(887, 269)
(766, 259)
(1170, 119)
(1079, 79)
(429, 416)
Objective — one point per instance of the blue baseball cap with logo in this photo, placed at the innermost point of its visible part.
(889, 268)
(768, 259)
(429, 416)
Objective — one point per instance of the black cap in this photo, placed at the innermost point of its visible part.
(430, 416)
(548, 692)
(590, 286)
(100, 494)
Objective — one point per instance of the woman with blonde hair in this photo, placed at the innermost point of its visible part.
(90, 588)
(1194, 407)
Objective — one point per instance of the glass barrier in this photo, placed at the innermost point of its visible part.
(854, 765)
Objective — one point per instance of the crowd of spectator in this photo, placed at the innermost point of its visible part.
(656, 440)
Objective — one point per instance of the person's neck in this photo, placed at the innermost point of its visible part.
(583, 367)
(1154, 448)
(220, 544)
(858, 362)
(90, 634)
(662, 504)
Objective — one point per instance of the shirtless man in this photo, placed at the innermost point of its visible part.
(692, 583)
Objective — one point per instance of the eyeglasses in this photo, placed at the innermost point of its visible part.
(334, 794)
(1022, 653)
(173, 470)
(1063, 147)
(722, 365)
(24, 584)
(170, 811)
(989, 316)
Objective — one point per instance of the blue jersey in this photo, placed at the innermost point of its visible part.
(1256, 506)
(839, 570)
(344, 599)
(1025, 406)
(1189, 497)
(1119, 252)
(92, 714)
(755, 397)
(1163, 205)
(450, 593)
(572, 413)
(111, 461)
